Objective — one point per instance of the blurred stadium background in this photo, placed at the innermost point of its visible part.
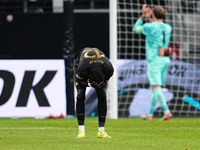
(56, 29)
(182, 87)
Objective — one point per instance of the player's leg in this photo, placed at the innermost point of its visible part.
(102, 111)
(153, 103)
(162, 101)
(80, 110)
(167, 113)
(152, 74)
(156, 78)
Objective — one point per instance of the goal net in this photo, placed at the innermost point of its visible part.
(182, 80)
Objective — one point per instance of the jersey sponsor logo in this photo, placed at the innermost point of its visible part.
(96, 61)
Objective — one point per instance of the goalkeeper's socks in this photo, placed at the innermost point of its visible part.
(153, 103)
(165, 109)
(81, 128)
(160, 98)
(151, 111)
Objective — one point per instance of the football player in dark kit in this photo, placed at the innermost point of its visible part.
(92, 69)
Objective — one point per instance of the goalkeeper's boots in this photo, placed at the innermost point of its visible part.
(147, 117)
(81, 134)
(167, 116)
(103, 134)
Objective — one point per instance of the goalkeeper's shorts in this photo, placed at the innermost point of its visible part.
(156, 70)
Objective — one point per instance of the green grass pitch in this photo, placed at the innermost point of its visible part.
(127, 134)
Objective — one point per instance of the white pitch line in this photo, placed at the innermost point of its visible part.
(31, 128)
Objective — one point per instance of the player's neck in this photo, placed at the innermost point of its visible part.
(157, 20)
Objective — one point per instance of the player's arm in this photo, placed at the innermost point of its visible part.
(81, 75)
(108, 72)
(79, 81)
(109, 75)
(138, 25)
(165, 50)
(167, 36)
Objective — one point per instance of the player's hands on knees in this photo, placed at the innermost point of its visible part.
(98, 85)
(102, 84)
(93, 84)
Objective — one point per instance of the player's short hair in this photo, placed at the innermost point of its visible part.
(96, 75)
(159, 12)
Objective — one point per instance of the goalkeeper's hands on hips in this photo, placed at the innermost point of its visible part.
(166, 52)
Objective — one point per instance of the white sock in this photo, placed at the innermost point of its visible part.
(81, 128)
(101, 129)
(150, 114)
(166, 111)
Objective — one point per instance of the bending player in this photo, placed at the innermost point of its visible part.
(157, 40)
(92, 69)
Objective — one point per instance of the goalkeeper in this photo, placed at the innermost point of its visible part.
(157, 40)
(92, 69)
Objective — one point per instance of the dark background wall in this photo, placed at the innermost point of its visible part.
(91, 30)
(40, 36)
(31, 36)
